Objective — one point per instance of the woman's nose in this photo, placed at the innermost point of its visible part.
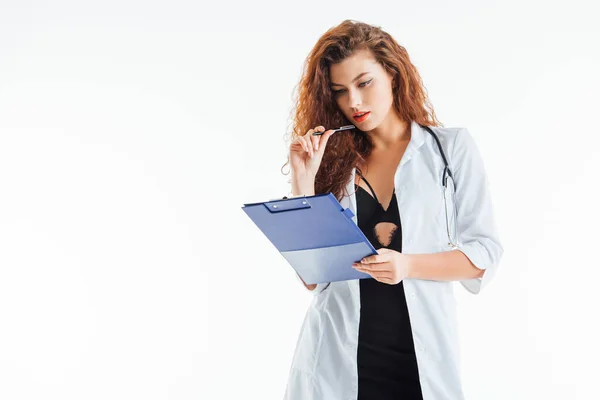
(355, 101)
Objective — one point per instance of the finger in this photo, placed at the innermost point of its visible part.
(383, 257)
(319, 128)
(374, 267)
(309, 146)
(369, 259)
(309, 132)
(325, 138)
(388, 276)
(315, 139)
(305, 145)
(300, 142)
(383, 275)
(388, 281)
(380, 274)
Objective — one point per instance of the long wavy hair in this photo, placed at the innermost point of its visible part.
(315, 103)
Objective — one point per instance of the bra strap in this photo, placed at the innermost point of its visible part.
(370, 187)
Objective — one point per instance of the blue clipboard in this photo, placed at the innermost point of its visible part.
(315, 234)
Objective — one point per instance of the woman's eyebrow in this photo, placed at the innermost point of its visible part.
(353, 80)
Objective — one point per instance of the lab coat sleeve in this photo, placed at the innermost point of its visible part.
(318, 289)
(478, 236)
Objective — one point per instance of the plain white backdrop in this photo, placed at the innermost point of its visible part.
(131, 133)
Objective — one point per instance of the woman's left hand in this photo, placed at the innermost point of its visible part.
(389, 266)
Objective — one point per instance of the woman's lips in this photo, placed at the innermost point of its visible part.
(363, 117)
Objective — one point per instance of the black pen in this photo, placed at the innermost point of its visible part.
(343, 128)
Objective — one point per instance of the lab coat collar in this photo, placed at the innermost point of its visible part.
(417, 138)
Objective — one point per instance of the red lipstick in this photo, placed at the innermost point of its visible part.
(361, 118)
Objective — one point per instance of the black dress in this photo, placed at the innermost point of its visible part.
(387, 364)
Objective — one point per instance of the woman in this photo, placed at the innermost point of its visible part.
(392, 336)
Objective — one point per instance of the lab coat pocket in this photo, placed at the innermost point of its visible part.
(427, 214)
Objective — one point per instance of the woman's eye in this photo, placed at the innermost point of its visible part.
(363, 84)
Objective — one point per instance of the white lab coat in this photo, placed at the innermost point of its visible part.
(324, 364)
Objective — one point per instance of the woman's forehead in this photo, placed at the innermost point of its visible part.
(352, 67)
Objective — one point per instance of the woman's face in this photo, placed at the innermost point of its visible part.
(360, 84)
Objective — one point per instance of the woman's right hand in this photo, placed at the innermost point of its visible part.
(306, 153)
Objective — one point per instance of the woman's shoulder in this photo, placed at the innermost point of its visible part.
(454, 139)
(447, 132)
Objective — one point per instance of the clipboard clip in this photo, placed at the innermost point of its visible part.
(288, 197)
(288, 204)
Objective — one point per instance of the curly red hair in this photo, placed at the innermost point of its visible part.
(315, 103)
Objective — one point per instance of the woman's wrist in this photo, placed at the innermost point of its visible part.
(305, 186)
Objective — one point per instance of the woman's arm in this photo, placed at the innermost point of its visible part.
(445, 266)
(478, 236)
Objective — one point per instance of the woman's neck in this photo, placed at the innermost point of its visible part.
(390, 134)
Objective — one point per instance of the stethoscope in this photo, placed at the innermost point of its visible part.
(445, 175)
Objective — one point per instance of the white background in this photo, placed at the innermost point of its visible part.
(131, 133)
